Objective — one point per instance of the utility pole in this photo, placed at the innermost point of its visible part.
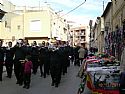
(103, 5)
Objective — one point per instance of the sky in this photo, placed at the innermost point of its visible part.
(90, 10)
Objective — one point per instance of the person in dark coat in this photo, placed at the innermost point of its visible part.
(44, 58)
(55, 67)
(71, 54)
(62, 60)
(20, 53)
(35, 57)
(48, 57)
(67, 54)
(9, 59)
(41, 60)
(86, 53)
(42, 52)
(2, 50)
(64, 57)
(76, 55)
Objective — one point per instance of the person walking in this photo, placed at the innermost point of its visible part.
(55, 66)
(9, 59)
(44, 60)
(19, 55)
(35, 57)
(27, 72)
(81, 52)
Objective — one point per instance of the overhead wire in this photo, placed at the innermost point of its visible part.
(70, 10)
(74, 8)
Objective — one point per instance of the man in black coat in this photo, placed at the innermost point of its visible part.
(44, 60)
(35, 57)
(9, 59)
(63, 59)
(19, 55)
(55, 67)
(76, 55)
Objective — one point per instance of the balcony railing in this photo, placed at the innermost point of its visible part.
(82, 40)
(82, 34)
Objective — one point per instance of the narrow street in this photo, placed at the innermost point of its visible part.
(69, 84)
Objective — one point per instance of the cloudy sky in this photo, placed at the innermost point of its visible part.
(88, 11)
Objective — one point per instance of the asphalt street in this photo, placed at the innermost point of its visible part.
(69, 84)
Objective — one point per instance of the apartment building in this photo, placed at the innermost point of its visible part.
(79, 36)
(39, 24)
(31, 23)
(6, 13)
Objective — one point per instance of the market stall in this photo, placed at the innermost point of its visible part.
(101, 74)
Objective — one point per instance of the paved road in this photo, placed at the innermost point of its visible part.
(69, 84)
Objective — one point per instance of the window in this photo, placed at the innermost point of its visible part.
(7, 29)
(83, 32)
(115, 1)
(35, 25)
(13, 38)
(5, 23)
(18, 27)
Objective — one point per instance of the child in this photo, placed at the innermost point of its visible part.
(27, 72)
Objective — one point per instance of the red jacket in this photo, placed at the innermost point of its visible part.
(27, 67)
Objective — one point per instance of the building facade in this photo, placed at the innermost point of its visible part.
(6, 13)
(43, 25)
(97, 35)
(80, 36)
(108, 26)
(118, 16)
(109, 32)
(31, 23)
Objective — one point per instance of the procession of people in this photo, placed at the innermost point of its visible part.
(26, 59)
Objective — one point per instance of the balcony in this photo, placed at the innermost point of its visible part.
(82, 39)
(82, 34)
(76, 33)
(83, 42)
(71, 36)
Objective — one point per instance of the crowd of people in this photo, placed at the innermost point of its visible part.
(53, 60)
